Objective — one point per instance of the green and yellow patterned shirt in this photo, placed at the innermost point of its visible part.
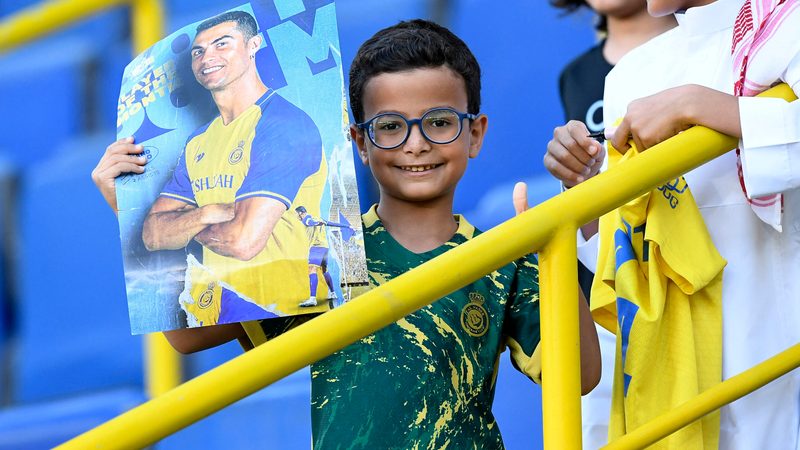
(427, 381)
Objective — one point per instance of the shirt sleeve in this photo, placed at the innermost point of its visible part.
(770, 144)
(286, 149)
(179, 186)
(521, 326)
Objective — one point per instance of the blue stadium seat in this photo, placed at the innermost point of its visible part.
(494, 205)
(517, 408)
(275, 418)
(47, 86)
(73, 327)
(42, 87)
(45, 425)
(7, 178)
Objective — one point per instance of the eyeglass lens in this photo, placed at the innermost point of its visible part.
(439, 126)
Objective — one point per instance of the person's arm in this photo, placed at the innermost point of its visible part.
(656, 118)
(171, 224)
(770, 146)
(121, 157)
(247, 233)
(190, 340)
(590, 347)
(591, 365)
(573, 157)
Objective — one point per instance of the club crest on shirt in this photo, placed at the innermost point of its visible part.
(236, 154)
(207, 297)
(474, 318)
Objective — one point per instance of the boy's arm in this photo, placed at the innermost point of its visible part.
(590, 347)
(190, 340)
(591, 365)
(123, 156)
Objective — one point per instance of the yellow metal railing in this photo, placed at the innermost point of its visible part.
(547, 227)
(162, 363)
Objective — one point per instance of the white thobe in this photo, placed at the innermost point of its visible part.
(761, 283)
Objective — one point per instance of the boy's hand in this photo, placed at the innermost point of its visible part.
(572, 156)
(123, 156)
(520, 198)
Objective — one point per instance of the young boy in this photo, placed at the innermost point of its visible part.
(428, 379)
(687, 76)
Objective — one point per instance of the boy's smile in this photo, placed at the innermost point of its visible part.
(418, 170)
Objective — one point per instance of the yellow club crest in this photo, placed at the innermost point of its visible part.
(207, 297)
(236, 154)
(474, 318)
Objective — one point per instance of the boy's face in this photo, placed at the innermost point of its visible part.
(658, 8)
(419, 170)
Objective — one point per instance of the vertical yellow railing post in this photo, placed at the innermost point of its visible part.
(162, 363)
(147, 23)
(560, 330)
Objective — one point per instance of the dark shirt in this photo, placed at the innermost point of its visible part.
(581, 87)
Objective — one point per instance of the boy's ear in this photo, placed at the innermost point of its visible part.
(358, 137)
(477, 130)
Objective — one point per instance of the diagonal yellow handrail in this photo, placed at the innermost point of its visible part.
(162, 363)
(387, 303)
(36, 22)
(710, 400)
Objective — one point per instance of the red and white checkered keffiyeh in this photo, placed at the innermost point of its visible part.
(755, 25)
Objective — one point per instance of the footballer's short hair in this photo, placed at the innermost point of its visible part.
(411, 45)
(245, 23)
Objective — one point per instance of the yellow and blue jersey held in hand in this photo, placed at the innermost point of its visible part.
(273, 150)
(659, 287)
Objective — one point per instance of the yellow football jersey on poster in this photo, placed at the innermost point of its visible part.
(271, 150)
(659, 287)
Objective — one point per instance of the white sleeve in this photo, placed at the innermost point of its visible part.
(770, 145)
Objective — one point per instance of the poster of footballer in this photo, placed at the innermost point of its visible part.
(247, 208)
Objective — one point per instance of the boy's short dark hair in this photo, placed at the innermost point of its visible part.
(412, 45)
(245, 23)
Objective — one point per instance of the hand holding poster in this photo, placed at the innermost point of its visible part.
(248, 206)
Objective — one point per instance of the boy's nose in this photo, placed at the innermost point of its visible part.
(416, 142)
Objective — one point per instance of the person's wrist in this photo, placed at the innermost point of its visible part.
(694, 97)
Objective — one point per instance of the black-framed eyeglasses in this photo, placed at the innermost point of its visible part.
(439, 126)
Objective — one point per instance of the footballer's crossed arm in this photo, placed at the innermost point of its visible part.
(246, 235)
